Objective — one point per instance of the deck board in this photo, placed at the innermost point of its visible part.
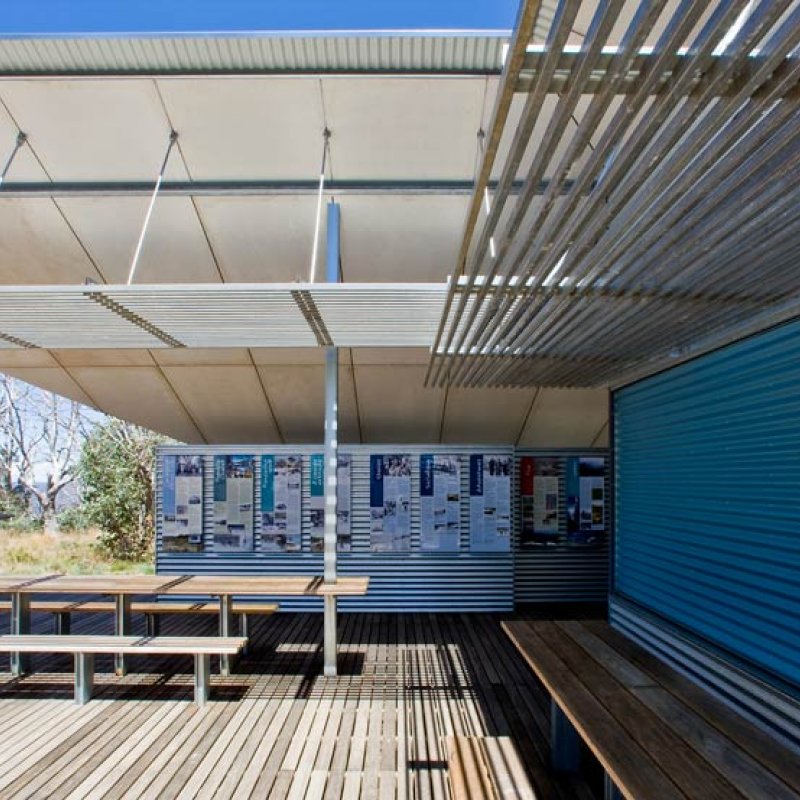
(276, 727)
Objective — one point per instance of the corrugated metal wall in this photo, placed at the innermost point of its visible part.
(707, 500)
(413, 581)
(559, 573)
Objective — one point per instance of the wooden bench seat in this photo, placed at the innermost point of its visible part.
(656, 734)
(84, 648)
(486, 768)
(62, 611)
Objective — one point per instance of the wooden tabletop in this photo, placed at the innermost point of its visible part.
(12, 583)
(184, 584)
(266, 585)
(103, 584)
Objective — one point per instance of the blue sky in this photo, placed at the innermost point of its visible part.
(164, 16)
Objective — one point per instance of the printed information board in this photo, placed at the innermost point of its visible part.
(585, 483)
(538, 486)
(490, 503)
(440, 503)
(182, 504)
(343, 537)
(390, 503)
(281, 503)
(233, 503)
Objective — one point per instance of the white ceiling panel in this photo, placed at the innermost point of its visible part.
(250, 128)
(566, 418)
(94, 129)
(400, 239)
(37, 246)
(364, 356)
(403, 127)
(25, 166)
(140, 395)
(228, 403)
(297, 396)
(395, 406)
(103, 358)
(52, 379)
(485, 416)
(206, 357)
(175, 249)
(262, 239)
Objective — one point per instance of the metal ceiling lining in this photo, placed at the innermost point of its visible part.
(414, 51)
(56, 317)
(670, 208)
(220, 315)
(404, 315)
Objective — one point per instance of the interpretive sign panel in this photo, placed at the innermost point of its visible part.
(281, 503)
(439, 503)
(538, 488)
(233, 503)
(182, 504)
(343, 537)
(390, 503)
(585, 483)
(490, 503)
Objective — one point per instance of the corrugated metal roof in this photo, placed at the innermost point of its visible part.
(390, 51)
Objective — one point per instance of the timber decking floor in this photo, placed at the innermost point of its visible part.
(276, 727)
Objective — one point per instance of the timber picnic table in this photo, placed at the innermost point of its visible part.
(125, 587)
(225, 587)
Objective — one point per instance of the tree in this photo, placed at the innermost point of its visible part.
(39, 431)
(116, 472)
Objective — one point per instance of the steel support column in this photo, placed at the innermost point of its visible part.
(331, 454)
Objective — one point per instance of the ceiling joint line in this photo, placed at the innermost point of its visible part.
(308, 308)
(129, 316)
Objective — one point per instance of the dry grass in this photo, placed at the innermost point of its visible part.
(76, 552)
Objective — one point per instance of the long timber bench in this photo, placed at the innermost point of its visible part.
(656, 733)
(62, 611)
(84, 648)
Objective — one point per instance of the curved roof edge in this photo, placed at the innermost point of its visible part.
(440, 52)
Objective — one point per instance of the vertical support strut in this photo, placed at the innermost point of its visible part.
(331, 455)
(173, 137)
(326, 136)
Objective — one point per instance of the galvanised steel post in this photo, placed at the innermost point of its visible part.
(331, 453)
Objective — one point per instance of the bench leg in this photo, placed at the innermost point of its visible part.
(122, 627)
(153, 624)
(202, 678)
(226, 663)
(565, 741)
(84, 677)
(20, 624)
(244, 630)
(62, 623)
(329, 635)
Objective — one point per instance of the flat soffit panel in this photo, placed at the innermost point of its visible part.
(227, 403)
(403, 127)
(416, 237)
(94, 129)
(175, 249)
(38, 247)
(242, 128)
(243, 230)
